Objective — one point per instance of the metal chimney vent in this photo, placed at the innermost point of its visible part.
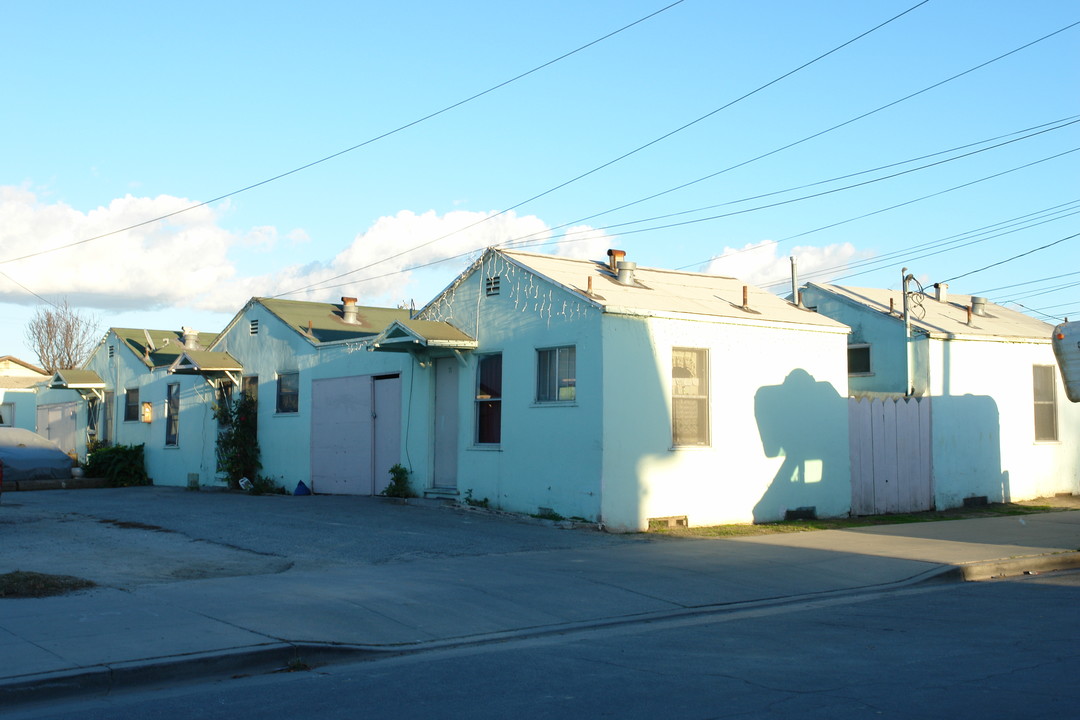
(626, 272)
(349, 310)
(978, 305)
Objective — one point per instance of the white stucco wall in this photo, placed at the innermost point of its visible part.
(285, 438)
(779, 437)
(23, 402)
(984, 427)
(550, 453)
(884, 333)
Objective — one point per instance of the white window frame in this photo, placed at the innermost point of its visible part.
(551, 363)
(172, 415)
(279, 395)
(486, 397)
(1045, 402)
(690, 390)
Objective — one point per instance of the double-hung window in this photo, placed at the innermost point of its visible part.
(131, 405)
(288, 393)
(172, 414)
(489, 400)
(556, 375)
(689, 396)
(1044, 381)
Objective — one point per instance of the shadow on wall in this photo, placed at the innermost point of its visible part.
(967, 450)
(804, 422)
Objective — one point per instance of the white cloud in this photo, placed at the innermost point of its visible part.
(760, 264)
(185, 261)
(381, 264)
(148, 266)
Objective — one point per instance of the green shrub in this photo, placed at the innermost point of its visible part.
(118, 465)
(237, 441)
(399, 483)
(263, 485)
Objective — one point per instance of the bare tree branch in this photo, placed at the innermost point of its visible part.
(61, 336)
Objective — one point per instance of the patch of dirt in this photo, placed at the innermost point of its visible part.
(134, 525)
(21, 584)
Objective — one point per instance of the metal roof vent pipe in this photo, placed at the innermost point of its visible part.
(349, 311)
(626, 272)
(614, 256)
(942, 291)
(191, 338)
(978, 305)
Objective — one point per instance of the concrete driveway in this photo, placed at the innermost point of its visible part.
(126, 537)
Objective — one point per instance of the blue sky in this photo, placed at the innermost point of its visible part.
(119, 112)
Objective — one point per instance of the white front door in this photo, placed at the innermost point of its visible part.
(446, 423)
(387, 427)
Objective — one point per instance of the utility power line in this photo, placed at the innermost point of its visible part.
(369, 141)
(322, 283)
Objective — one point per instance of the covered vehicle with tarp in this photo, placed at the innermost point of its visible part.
(29, 456)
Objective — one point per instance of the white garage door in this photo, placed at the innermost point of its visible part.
(355, 430)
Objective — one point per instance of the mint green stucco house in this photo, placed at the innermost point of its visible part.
(619, 394)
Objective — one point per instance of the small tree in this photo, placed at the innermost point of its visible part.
(61, 336)
(237, 441)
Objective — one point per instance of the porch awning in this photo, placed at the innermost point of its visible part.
(86, 382)
(211, 365)
(423, 335)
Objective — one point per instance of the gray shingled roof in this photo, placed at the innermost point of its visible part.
(669, 291)
(949, 318)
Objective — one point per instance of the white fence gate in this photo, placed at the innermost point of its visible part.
(890, 455)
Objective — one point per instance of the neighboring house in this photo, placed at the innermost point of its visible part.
(124, 394)
(995, 423)
(17, 394)
(330, 413)
(620, 394)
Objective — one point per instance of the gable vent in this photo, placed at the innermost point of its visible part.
(253, 327)
(112, 351)
(491, 286)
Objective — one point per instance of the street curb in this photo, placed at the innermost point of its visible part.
(100, 680)
(1012, 567)
(284, 656)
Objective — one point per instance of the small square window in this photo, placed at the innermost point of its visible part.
(7, 414)
(556, 375)
(858, 360)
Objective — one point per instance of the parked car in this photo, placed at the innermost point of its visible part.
(25, 455)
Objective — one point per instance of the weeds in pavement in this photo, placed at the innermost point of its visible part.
(795, 526)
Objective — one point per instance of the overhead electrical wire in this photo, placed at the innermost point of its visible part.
(1011, 259)
(609, 163)
(891, 258)
(823, 182)
(369, 141)
(585, 233)
(322, 284)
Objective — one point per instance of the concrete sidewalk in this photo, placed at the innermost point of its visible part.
(93, 641)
